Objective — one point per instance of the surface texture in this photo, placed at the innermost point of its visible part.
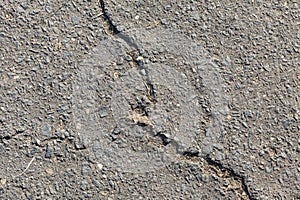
(149, 99)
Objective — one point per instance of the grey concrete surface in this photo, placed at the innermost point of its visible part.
(149, 99)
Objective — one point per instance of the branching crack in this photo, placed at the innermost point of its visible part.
(220, 167)
(231, 172)
(166, 141)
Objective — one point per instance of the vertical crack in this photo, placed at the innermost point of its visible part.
(106, 17)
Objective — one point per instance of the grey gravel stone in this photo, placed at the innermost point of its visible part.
(49, 151)
(46, 130)
(48, 7)
(86, 169)
(268, 169)
(75, 20)
(219, 156)
(2, 148)
(298, 149)
(24, 5)
(205, 178)
(103, 112)
(116, 131)
(84, 185)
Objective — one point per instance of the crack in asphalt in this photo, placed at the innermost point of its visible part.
(113, 29)
(115, 32)
(166, 141)
(232, 173)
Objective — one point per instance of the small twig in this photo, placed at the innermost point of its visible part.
(26, 167)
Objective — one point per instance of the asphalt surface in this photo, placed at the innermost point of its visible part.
(149, 99)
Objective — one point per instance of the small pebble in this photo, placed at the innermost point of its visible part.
(49, 151)
(84, 185)
(86, 169)
(205, 178)
(24, 5)
(75, 20)
(46, 130)
(103, 112)
(49, 171)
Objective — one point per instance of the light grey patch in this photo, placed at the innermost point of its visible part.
(190, 53)
(90, 110)
(107, 52)
(185, 108)
(148, 100)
